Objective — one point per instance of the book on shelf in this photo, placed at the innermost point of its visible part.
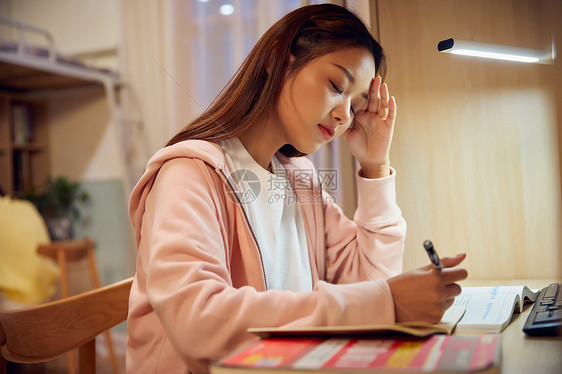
(490, 309)
(436, 353)
(22, 127)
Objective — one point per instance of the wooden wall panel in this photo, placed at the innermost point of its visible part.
(552, 12)
(476, 142)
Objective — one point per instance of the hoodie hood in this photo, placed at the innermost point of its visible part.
(208, 152)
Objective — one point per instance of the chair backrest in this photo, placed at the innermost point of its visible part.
(46, 331)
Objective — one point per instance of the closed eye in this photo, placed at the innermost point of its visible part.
(341, 92)
(336, 88)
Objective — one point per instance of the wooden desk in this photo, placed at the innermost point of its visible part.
(521, 353)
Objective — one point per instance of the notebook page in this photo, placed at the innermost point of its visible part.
(487, 308)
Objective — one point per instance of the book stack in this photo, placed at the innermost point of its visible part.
(481, 313)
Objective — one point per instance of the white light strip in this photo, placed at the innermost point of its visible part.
(497, 56)
(495, 51)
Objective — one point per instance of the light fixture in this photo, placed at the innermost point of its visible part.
(496, 51)
(226, 9)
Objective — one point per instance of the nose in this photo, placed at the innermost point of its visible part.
(342, 113)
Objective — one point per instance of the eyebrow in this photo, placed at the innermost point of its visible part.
(350, 77)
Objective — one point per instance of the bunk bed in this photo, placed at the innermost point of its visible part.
(25, 68)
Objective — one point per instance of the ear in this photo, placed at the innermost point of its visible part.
(274, 56)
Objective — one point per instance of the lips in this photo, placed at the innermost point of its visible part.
(326, 131)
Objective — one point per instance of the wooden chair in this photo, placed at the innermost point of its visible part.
(71, 251)
(46, 331)
(64, 252)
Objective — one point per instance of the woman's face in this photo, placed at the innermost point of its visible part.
(317, 104)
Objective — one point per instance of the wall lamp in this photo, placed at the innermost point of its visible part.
(496, 51)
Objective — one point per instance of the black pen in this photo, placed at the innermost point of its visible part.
(435, 260)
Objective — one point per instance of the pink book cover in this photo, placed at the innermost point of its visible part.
(452, 353)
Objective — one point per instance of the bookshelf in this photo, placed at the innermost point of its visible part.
(24, 153)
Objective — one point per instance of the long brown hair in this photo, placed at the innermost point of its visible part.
(305, 33)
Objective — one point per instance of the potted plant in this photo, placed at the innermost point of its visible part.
(59, 201)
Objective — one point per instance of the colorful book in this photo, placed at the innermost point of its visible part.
(437, 353)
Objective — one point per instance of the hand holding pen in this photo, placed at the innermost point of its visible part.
(424, 294)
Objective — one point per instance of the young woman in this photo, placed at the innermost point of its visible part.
(232, 227)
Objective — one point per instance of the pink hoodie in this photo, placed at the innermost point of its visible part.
(199, 282)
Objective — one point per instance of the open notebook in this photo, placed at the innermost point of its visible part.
(490, 309)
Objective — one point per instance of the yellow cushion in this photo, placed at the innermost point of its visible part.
(25, 276)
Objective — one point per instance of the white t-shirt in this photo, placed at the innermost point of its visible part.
(274, 217)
